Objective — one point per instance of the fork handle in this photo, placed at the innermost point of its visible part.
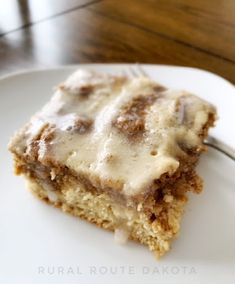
(220, 146)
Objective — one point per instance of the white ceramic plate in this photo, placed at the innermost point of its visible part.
(40, 244)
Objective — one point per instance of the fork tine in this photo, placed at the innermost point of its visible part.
(132, 71)
(124, 73)
(136, 71)
(141, 70)
(127, 72)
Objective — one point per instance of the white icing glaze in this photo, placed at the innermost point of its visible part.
(104, 151)
(121, 235)
(52, 196)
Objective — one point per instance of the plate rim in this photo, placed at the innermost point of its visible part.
(17, 75)
(25, 71)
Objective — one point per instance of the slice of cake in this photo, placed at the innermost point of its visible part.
(118, 152)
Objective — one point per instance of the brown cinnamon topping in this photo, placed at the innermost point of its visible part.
(159, 88)
(45, 135)
(81, 125)
(131, 119)
(83, 91)
(48, 133)
(210, 122)
(188, 149)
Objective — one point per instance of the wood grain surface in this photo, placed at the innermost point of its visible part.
(180, 32)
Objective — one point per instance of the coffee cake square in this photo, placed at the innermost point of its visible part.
(118, 152)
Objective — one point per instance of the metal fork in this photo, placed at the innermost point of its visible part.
(210, 141)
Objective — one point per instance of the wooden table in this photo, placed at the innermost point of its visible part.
(41, 33)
